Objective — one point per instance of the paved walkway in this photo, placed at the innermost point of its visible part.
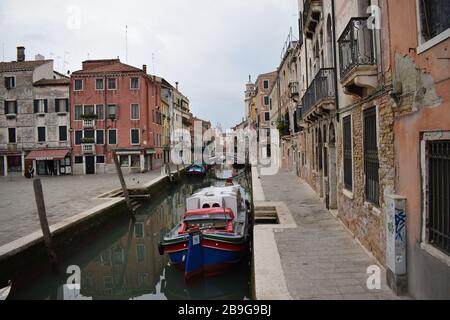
(65, 196)
(320, 259)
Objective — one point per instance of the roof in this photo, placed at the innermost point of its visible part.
(21, 66)
(113, 66)
(52, 82)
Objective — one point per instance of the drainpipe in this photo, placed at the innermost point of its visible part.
(335, 60)
(105, 123)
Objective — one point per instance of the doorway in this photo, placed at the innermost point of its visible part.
(332, 174)
(90, 164)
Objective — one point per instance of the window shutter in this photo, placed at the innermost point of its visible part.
(15, 107)
(6, 83)
(36, 106)
(57, 105)
(46, 106)
(67, 105)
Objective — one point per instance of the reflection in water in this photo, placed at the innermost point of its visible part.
(125, 263)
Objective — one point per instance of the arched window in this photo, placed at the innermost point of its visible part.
(206, 206)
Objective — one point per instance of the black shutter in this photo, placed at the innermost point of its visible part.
(15, 107)
(57, 105)
(36, 106)
(67, 105)
(46, 106)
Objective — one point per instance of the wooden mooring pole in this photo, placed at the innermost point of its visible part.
(40, 203)
(124, 186)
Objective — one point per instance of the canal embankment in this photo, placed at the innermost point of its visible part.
(73, 232)
(316, 256)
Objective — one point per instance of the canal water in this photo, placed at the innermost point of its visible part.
(122, 261)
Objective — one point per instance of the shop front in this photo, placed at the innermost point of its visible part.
(50, 162)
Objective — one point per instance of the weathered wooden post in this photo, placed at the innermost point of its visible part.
(40, 203)
(123, 184)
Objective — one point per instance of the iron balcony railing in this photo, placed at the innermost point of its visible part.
(321, 88)
(356, 47)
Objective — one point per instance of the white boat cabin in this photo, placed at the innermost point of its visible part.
(216, 197)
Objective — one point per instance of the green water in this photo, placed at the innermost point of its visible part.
(122, 261)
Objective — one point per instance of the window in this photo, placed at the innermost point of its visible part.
(12, 135)
(140, 252)
(62, 133)
(112, 111)
(134, 83)
(99, 84)
(78, 137)
(266, 100)
(134, 136)
(100, 111)
(267, 116)
(112, 84)
(89, 110)
(112, 136)
(135, 112)
(41, 134)
(61, 105)
(348, 162)
(40, 106)
(434, 18)
(78, 160)
(124, 161)
(139, 230)
(371, 163)
(100, 159)
(266, 84)
(10, 107)
(78, 112)
(100, 139)
(78, 85)
(10, 83)
(438, 211)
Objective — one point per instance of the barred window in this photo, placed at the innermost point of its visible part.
(348, 161)
(371, 163)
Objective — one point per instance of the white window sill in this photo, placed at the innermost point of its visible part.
(436, 253)
(372, 208)
(433, 42)
(347, 193)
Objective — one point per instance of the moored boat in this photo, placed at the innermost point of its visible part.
(196, 170)
(212, 235)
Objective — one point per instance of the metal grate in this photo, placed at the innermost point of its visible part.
(371, 162)
(438, 153)
(348, 164)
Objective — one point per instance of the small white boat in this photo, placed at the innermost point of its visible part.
(4, 292)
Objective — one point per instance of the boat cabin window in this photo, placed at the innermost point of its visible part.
(206, 206)
(216, 205)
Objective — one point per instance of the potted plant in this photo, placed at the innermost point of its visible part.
(87, 140)
(112, 117)
(88, 116)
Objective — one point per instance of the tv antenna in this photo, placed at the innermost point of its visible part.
(126, 43)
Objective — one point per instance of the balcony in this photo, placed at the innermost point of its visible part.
(88, 123)
(312, 11)
(88, 148)
(357, 58)
(293, 89)
(320, 97)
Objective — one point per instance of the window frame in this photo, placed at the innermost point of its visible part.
(268, 101)
(59, 133)
(264, 84)
(131, 136)
(96, 137)
(103, 84)
(116, 136)
(75, 86)
(14, 80)
(345, 187)
(15, 135)
(424, 45)
(37, 134)
(138, 83)
(138, 109)
(15, 107)
(115, 84)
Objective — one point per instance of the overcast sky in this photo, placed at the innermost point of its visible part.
(208, 46)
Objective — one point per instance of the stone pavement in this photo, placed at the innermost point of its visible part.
(320, 259)
(65, 196)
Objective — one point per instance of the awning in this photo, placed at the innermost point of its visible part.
(47, 155)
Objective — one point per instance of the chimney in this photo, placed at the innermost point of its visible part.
(176, 85)
(144, 68)
(20, 54)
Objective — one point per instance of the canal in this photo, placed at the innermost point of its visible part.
(122, 261)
